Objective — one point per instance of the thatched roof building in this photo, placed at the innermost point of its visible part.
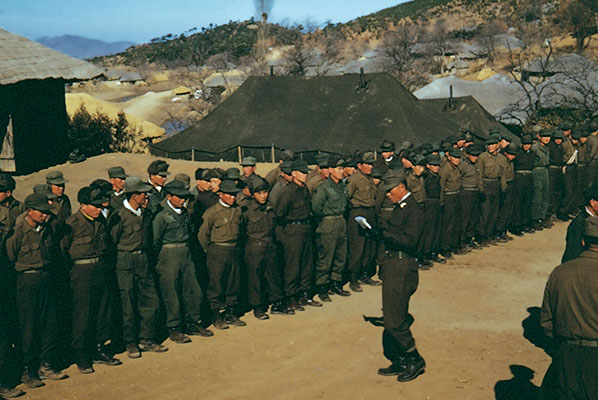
(33, 119)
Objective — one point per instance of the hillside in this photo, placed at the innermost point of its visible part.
(82, 47)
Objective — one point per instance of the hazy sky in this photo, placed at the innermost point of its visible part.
(141, 20)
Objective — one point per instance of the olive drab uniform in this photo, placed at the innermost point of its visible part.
(264, 285)
(450, 184)
(570, 156)
(491, 180)
(293, 212)
(171, 230)
(33, 253)
(432, 214)
(591, 159)
(470, 204)
(569, 315)
(218, 236)
(362, 249)
(555, 177)
(84, 246)
(524, 190)
(329, 204)
(507, 203)
(131, 233)
(541, 199)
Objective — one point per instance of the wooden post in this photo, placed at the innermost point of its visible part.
(273, 154)
(192, 153)
(240, 154)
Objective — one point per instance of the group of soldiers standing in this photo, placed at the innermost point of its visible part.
(140, 255)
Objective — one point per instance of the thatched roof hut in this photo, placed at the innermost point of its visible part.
(33, 119)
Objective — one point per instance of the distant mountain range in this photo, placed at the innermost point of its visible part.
(82, 47)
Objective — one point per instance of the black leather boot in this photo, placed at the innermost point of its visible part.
(323, 293)
(231, 318)
(218, 320)
(337, 288)
(354, 284)
(414, 366)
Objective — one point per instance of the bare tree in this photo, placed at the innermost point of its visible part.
(488, 38)
(263, 9)
(440, 39)
(581, 18)
(399, 58)
(330, 45)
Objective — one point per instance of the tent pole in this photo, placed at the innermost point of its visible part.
(273, 153)
(240, 154)
(192, 153)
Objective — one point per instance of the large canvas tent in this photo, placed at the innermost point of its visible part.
(33, 119)
(335, 114)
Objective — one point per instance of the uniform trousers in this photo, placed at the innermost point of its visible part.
(176, 276)
(506, 209)
(399, 284)
(470, 210)
(91, 311)
(224, 276)
(489, 208)
(591, 172)
(451, 225)
(576, 369)
(541, 199)
(362, 248)
(557, 187)
(331, 242)
(264, 284)
(580, 185)
(524, 190)
(298, 266)
(570, 177)
(138, 295)
(430, 238)
(37, 318)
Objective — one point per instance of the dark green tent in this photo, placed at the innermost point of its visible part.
(335, 114)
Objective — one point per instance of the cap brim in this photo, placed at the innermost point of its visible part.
(183, 194)
(44, 209)
(58, 181)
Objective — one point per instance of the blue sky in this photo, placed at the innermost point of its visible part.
(141, 20)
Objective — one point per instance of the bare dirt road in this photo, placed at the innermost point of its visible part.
(468, 326)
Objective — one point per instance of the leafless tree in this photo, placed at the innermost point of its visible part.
(399, 59)
(263, 9)
(439, 37)
(488, 39)
(330, 45)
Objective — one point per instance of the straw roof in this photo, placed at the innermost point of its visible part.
(22, 59)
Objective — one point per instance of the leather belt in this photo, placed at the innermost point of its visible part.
(387, 209)
(471, 189)
(299, 222)
(174, 245)
(539, 168)
(332, 217)
(33, 271)
(136, 252)
(582, 342)
(554, 166)
(490, 179)
(523, 171)
(259, 242)
(225, 244)
(452, 192)
(395, 254)
(84, 261)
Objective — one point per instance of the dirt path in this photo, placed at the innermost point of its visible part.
(468, 316)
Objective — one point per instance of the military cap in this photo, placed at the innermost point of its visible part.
(594, 125)
(300, 165)
(474, 150)
(287, 167)
(335, 161)
(199, 174)
(456, 153)
(229, 187)
(512, 149)
(468, 137)
(158, 167)
(435, 147)
(585, 130)
(409, 155)
(37, 201)
(558, 134)
(134, 184)
(376, 173)
(350, 161)
(258, 184)
(434, 159)
(186, 179)
(117, 172)
(248, 161)
(7, 182)
(576, 135)
(527, 139)
(591, 227)
(44, 189)
(367, 158)
(545, 133)
(55, 178)
(565, 126)
(103, 185)
(387, 146)
(287, 155)
(460, 136)
(322, 160)
(491, 140)
(233, 174)
(177, 188)
(92, 195)
(507, 138)
(420, 160)
(212, 174)
(391, 180)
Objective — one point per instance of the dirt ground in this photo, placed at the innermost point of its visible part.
(468, 326)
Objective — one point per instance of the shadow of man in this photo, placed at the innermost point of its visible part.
(520, 387)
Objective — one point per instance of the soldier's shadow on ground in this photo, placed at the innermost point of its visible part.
(520, 386)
